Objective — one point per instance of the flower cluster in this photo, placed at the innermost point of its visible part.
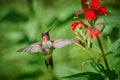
(91, 9)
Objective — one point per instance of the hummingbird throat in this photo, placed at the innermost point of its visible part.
(45, 38)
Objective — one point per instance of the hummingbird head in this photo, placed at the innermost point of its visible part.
(45, 35)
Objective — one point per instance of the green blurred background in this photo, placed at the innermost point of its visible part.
(22, 21)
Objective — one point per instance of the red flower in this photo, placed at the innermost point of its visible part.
(74, 25)
(102, 11)
(91, 9)
(94, 32)
(96, 3)
(90, 15)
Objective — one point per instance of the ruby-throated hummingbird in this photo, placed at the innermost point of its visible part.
(46, 47)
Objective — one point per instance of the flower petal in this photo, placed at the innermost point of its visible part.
(102, 11)
(91, 34)
(97, 32)
(90, 15)
(94, 32)
(96, 3)
(74, 25)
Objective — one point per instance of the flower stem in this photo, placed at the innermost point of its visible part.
(103, 54)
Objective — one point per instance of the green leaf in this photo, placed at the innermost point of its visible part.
(115, 47)
(111, 74)
(96, 66)
(88, 75)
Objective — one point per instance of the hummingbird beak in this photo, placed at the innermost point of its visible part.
(45, 32)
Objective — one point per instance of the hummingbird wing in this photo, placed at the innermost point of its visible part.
(36, 47)
(62, 43)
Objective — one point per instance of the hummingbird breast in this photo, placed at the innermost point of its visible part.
(47, 47)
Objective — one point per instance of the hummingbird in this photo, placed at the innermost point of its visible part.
(46, 47)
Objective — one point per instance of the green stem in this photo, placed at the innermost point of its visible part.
(103, 54)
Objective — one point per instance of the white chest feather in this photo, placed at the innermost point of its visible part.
(47, 46)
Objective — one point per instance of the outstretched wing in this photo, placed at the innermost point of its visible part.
(62, 43)
(36, 47)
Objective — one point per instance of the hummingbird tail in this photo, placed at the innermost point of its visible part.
(49, 62)
(46, 62)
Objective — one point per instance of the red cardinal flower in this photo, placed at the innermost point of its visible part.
(102, 11)
(90, 15)
(74, 25)
(94, 32)
(95, 3)
(91, 9)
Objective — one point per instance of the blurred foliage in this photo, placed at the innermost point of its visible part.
(22, 21)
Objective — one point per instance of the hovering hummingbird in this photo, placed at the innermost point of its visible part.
(46, 47)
